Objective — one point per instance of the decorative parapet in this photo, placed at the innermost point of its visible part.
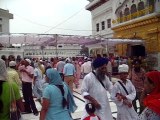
(137, 23)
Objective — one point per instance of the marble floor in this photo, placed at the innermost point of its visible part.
(78, 113)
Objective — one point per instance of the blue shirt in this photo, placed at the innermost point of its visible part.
(69, 69)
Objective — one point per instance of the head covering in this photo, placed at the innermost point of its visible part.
(54, 77)
(89, 59)
(41, 61)
(90, 107)
(152, 101)
(68, 60)
(36, 65)
(85, 58)
(28, 60)
(3, 71)
(123, 68)
(12, 63)
(98, 62)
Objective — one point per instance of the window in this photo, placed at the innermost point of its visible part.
(109, 23)
(97, 27)
(133, 10)
(0, 28)
(151, 3)
(126, 13)
(141, 7)
(0, 19)
(103, 25)
(121, 17)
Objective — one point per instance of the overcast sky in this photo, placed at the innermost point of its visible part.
(40, 16)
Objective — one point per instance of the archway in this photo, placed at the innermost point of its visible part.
(138, 50)
(133, 10)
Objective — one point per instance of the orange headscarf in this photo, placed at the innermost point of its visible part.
(152, 101)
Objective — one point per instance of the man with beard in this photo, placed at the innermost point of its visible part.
(136, 75)
(94, 89)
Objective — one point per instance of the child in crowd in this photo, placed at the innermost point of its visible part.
(90, 108)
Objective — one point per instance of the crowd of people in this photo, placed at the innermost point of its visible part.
(51, 82)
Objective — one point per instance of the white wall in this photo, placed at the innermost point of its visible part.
(5, 25)
(102, 13)
(6, 16)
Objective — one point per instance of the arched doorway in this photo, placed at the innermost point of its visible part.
(133, 10)
(138, 50)
(126, 13)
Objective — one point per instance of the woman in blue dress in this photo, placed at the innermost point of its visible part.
(54, 106)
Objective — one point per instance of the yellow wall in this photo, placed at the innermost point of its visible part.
(146, 29)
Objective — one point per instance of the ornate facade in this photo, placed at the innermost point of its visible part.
(133, 19)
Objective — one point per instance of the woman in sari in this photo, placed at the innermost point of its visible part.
(9, 94)
(151, 97)
(54, 106)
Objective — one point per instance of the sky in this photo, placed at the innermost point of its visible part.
(49, 16)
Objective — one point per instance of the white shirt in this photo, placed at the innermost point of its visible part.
(38, 74)
(86, 67)
(123, 111)
(89, 87)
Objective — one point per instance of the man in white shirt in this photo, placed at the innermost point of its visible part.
(123, 93)
(94, 89)
(86, 67)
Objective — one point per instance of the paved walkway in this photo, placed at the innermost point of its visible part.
(80, 103)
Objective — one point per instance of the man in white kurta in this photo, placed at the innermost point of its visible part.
(93, 91)
(125, 110)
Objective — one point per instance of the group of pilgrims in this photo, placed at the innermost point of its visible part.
(136, 91)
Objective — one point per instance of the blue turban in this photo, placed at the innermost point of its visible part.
(98, 62)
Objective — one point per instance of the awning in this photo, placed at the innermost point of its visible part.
(55, 39)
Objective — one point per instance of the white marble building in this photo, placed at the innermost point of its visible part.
(5, 16)
(102, 14)
(63, 50)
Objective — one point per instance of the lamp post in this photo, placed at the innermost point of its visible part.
(42, 48)
(56, 38)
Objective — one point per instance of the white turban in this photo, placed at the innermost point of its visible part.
(28, 60)
(123, 68)
(68, 60)
(3, 71)
(12, 63)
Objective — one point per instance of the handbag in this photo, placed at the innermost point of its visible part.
(14, 112)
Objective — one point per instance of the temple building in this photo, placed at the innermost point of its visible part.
(132, 19)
